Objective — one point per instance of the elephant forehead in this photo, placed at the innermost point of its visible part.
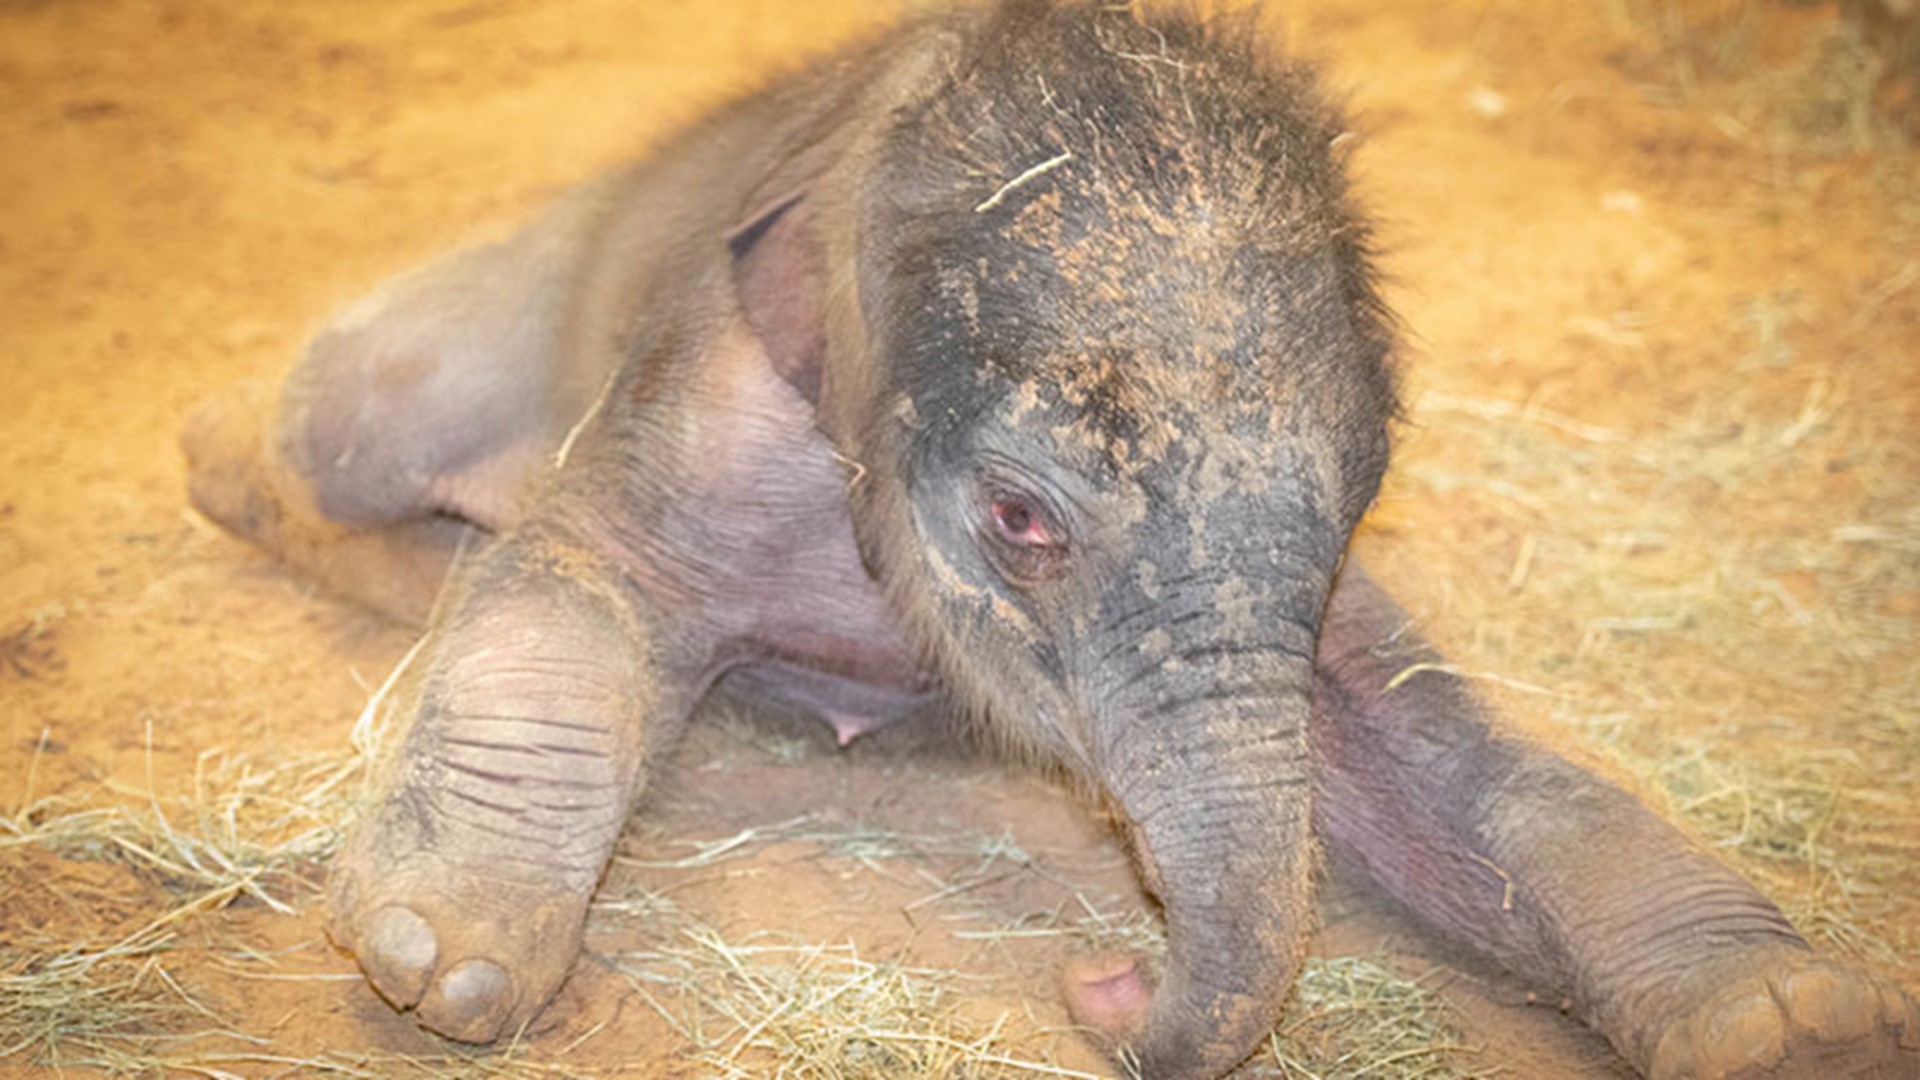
(1168, 341)
(1185, 270)
(1138, 431)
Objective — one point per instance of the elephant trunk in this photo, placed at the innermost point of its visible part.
(1219, 803)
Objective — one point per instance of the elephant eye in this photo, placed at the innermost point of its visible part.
(1018, 521)
(1025, 543)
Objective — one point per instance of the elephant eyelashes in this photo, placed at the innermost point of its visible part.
(1025, 542)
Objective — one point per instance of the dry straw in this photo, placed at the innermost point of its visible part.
(80, 993)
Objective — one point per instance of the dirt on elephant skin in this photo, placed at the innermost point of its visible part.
(1658, 491)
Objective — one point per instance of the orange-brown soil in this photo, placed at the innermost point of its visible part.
(1659, 490)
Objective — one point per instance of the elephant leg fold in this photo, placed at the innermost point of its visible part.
(447, 388)
(417, 421)
(237, 480)
(1566, 879)
(526, 718)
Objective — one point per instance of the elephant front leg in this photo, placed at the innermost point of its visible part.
(1569, 881)
(528, 714)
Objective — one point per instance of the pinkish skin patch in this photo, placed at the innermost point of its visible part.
(850, 726)
(1108, 993)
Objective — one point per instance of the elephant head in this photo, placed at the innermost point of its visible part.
(1119, 382)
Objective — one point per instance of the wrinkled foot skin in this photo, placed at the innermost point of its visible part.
(1794, 1016)
(474, 956)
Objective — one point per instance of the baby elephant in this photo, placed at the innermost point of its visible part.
(1027, 360)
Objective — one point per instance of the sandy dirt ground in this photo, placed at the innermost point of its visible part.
(1658, 491)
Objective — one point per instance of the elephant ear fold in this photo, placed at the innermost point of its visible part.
(780, 277)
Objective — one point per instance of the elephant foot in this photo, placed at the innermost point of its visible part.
(1788, 1015)
(473, 956)
(225, 468)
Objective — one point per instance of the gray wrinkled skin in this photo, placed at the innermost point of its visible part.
(1025, 362)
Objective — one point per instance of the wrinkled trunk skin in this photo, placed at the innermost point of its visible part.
(1221, 819)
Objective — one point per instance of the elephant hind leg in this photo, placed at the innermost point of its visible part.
(416, 422)
(1567, 880)
(447, 388)
(236, 480)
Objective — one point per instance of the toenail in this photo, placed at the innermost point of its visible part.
(1746, 1033)
(475, 988)
(396, 949)
(1835, 1009)
(1904, 1014)
(398, 938)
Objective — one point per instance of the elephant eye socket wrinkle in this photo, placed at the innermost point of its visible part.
(1023, 539)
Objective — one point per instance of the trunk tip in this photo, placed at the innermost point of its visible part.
(1108, 993)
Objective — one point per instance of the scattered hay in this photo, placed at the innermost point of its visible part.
(1667, 595)
(1350, 1017)
(792, 1010)
(1819, 101)
(1353, 1018)
(245, 829)
(126, 1008)
(867, 843)
(775, 1007)
(1781, 822)
(106, 1007)
(73, 996)
(1090, 929)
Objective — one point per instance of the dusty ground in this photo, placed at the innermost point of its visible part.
(1660, 490)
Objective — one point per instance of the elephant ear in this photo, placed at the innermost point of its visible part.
(780, 277)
